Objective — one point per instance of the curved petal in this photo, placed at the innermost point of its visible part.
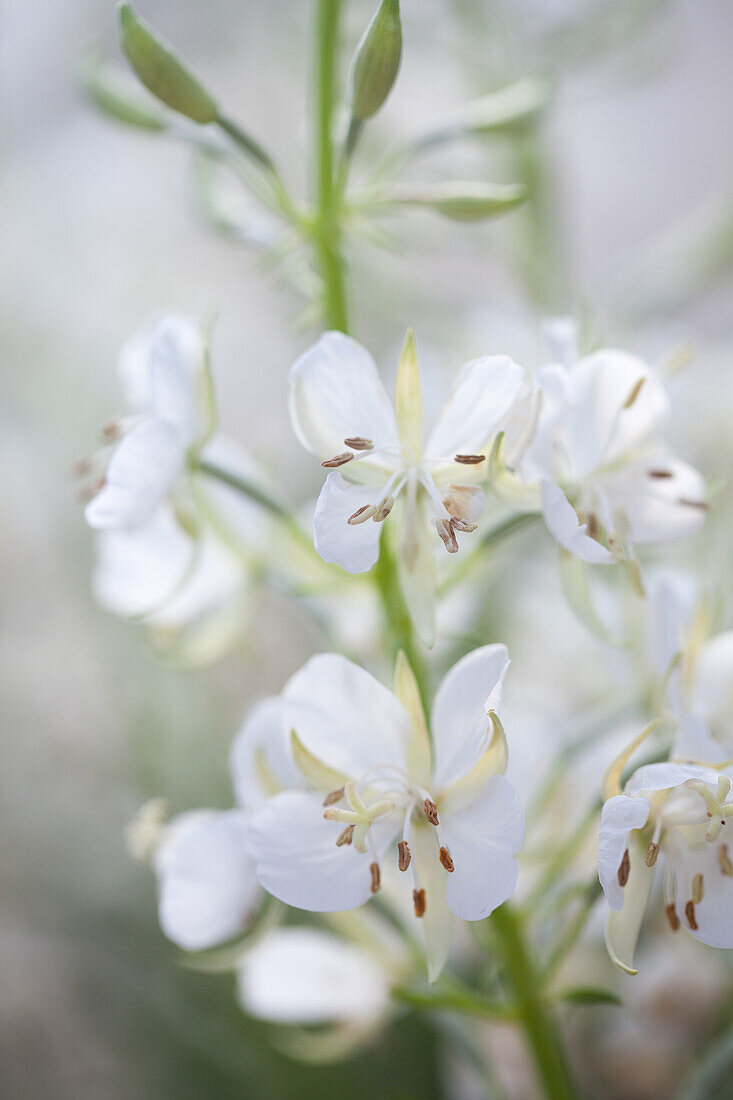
(563, 524)
(436, 924)
(483, 394)
(623, 927)
(207, 882)
(177, 359)
(298, 860)
(346, 718)
(141, 471)
(353, 546)
(306, 976)
(619, 816)
(664, 776)
(216, 578)
(561, 336)
(662, 500)
(694, 741)
(483, 840)
(713, 912)
(459, 721)
(711, 696)
(260, 760)
(336, 394)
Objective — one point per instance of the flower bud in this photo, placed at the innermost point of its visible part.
(376, 62)
(110, 94)
(463, 201)
(162, 72)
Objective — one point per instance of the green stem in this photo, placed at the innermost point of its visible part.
(327, 229)
(397, 621)
(539, 1028)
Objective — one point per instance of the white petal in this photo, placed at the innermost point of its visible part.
(483, 840)
(694, 741)
(712, 690)
(298, 860)
(176, 370)
(133, 370)
(459, 719)
(664, 776)
(482, 396)
(141, 471)
(563, 524)
(305, 976)
(207, 880)
(561, 334)
(623, 927)
(260, 759)
(713, 913)
(353, 546)
(436, 925)
(336, 394)
(217, 577)
(346, 718)
(417, 545)
(619, 816)
(658, 509)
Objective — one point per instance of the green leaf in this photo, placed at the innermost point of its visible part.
(589, 995)
(162, 72)
(112, 95)
(468, 201)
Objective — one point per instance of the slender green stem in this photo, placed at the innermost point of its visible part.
(398, 624)
(539, 1028)
(327, 229)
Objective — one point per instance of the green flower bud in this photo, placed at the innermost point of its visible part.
(111, 95)
(376, 62)
(162, 72)
(466, 202)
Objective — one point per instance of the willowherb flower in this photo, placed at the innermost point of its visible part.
(677, 815)
(382, 463)
(596, 464)
(444, 814)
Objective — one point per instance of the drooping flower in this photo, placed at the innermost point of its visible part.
(676, 814)
(376, 780)
(380, 460)
(597, 465)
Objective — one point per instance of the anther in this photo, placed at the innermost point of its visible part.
(690, 914)
(345, 836)
(418, 900)
(362, 514)
(376, 878)
(358, 443)
(593, 527)
(89, 492)
(724, 861)
(383, 509)
(333, 797)
(112, 430)
(660, 473)
(403, 855)
(469, 460)
(635, 391)
(338, 460)
(448, 535)
(701, 504)
(446, 860)
(460, 524)
(624, 869)
(697, 888)
(674, 920)
(431, 811)
(82, 467)
(651, 854)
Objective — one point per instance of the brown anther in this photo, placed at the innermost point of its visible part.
(418, 900)
(593, 527)
(623, 871)
(431, 811)
(446, 860)
(674, 920)
(698, 888)
(724, 861)
(469, 460)
(660, 473)
(333, 797)
(403, 855)
(651, 854)
(88, 492)
(448, 535)
(702, 505)
(358, 443)
(112, 430)
(690, 914)
(345, 836)
(460, 524)
(635, 391)
(82, 467)
(338, 460)
(383, 509)
(376, 877)
(361, 515)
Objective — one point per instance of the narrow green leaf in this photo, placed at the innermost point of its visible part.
(112, 95)
(589, 995)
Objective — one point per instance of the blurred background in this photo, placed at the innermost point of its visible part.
(629, 227)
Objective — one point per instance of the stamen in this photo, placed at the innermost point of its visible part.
(113, 430)
(418, 900)
(403, 855)
(651, 854)
(724, 861)
(346, 836)
(82, 467)
(660, 473)
(446, 860)
(383, 509)
(635, 391)
(338, 460)
(697, 888)
(333, 797)
(593, 527)
(376, 877)
(445, 530)
(362, 514)
(674, 920)
(431, 811)
(358, 443)
(469, 460)
(690, 914)
(460, 524)
(701, 504)
(624, 869)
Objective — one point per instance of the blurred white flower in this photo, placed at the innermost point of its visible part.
(458, 819)
(678, 811)
(341, 412)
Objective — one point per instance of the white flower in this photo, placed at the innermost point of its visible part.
(597, 465)
(457, 819)
(381, 461)
(165, 376)
(676, 813)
